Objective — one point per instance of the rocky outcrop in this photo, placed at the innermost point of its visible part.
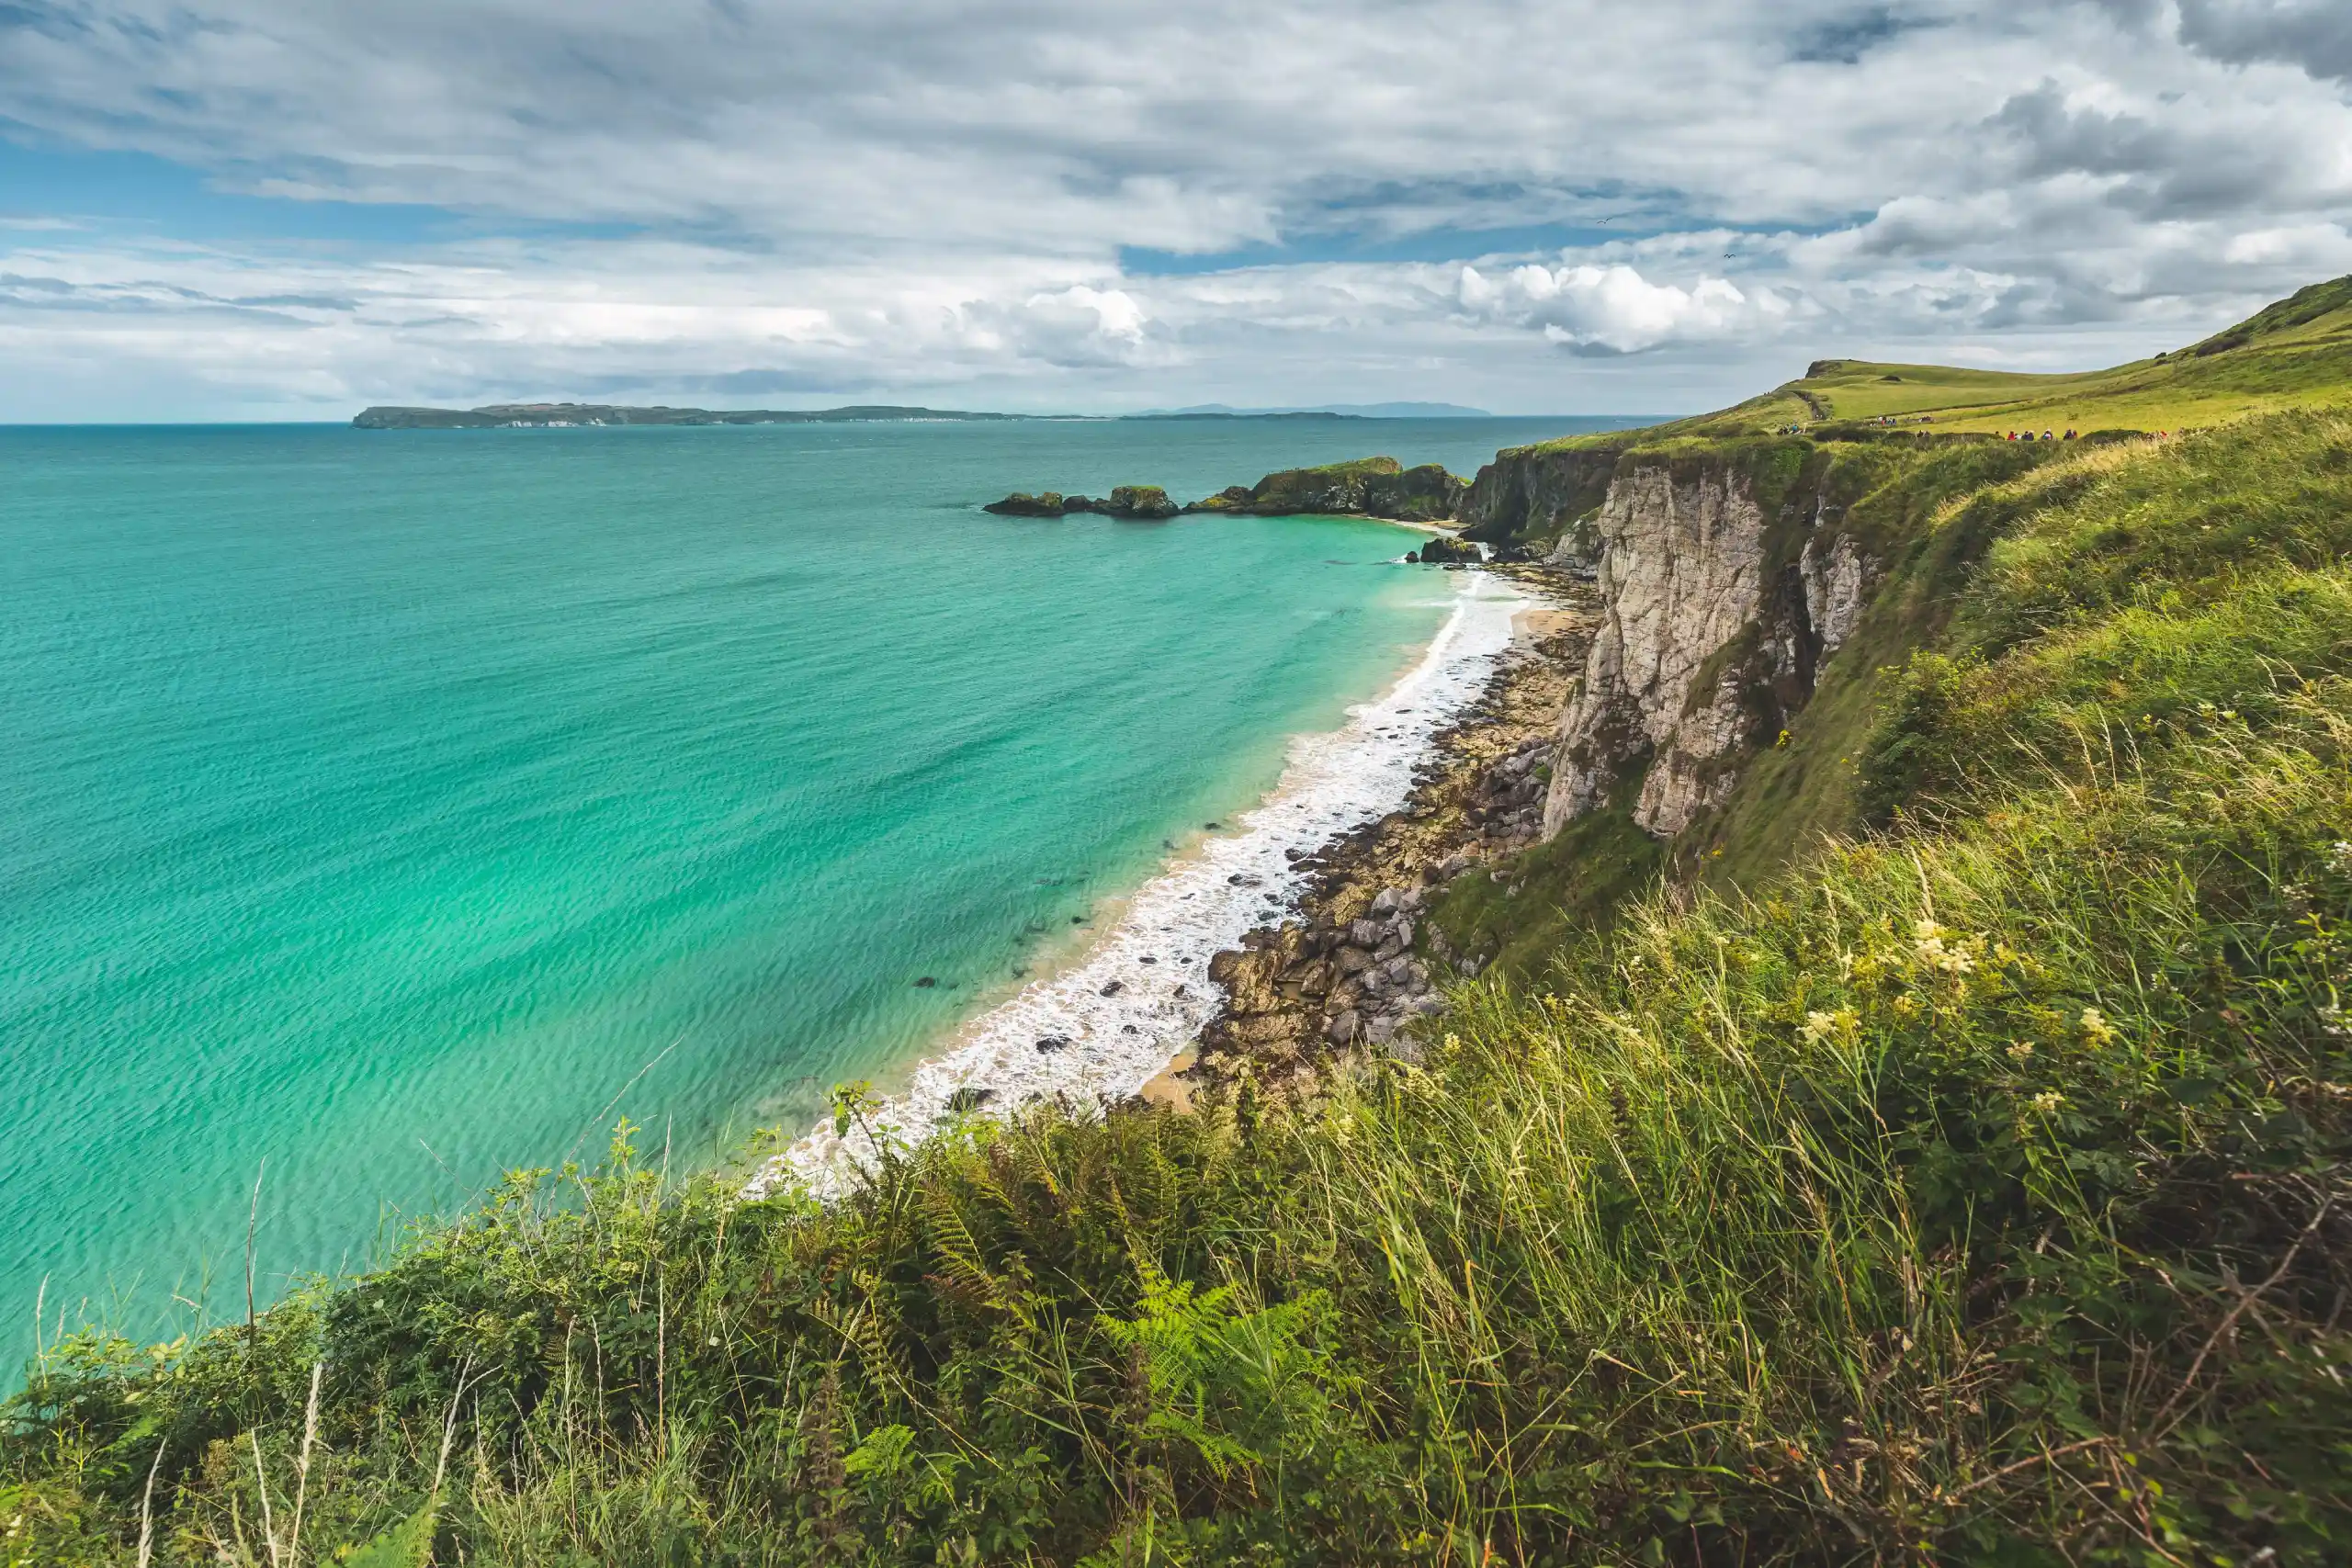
(1679, 564)
(1537, 494)
(1368, 487)
(1133, 502)
(1837, 579)
(1443, 549)
(1718, 605)
(1020, 503)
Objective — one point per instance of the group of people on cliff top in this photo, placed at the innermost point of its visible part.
(2029, 436)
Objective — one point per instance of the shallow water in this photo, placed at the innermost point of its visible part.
(399, 807)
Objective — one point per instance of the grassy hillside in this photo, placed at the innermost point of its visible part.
(2295, 354)
(1953, 1168)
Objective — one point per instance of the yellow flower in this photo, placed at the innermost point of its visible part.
(2095, 1024)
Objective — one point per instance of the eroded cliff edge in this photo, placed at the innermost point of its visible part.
(1724, 577)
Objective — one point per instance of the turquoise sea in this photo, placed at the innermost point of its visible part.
(399, 807)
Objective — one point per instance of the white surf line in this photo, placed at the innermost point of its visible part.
(1111, 1022)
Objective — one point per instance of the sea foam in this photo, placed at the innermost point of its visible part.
(1103, 1027)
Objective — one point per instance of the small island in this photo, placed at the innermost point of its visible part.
(1135, 503)
(1365, 487)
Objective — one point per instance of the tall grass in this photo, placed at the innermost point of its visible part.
(1975, 1191)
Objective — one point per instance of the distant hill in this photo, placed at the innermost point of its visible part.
(1325, 410)
(2294, 354)
(501, 415)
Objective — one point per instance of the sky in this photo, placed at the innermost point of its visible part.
(291, 209)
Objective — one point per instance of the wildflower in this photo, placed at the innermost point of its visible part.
(1928, 939)
(1820, 1026)
(2095, 1024)
(2331, 1021)
(2021, 1052)
(2340, 853)
(2048, 1102)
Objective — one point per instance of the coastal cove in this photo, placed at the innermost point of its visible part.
(399, 807)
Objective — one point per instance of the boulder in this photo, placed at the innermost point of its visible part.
(1445, 549)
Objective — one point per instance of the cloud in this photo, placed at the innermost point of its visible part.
(1614, 309)
(2314, 35)
(929, 194)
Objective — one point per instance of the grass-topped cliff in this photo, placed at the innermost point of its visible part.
(1916, 1132)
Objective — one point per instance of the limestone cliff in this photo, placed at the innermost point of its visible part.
(1724, 581)
(1529, 496)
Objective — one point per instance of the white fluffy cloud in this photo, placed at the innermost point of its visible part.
(1615, 309)
(995, 202)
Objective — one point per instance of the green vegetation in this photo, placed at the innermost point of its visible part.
(2295, 354)
(1378, 487)
(1946, 1161)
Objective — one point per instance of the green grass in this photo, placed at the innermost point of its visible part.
(1972, 1188)
(2295, 354)
(1551, 895)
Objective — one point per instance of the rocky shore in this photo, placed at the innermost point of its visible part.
(1358, 961)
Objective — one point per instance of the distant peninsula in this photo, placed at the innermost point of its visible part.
(1319, 411)
(496, 416)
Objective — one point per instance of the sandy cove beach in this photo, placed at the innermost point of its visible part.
(1145, 1011)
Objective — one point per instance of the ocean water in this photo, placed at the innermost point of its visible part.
(379, 811)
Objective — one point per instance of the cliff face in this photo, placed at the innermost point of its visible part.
(1723, 583)
(1529, 494)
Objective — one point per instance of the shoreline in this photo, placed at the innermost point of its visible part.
(1110, 1022)
(1347, 969)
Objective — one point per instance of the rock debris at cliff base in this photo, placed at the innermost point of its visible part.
(1360, 960)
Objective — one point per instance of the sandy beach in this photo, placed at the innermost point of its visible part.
(1107, 1025)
